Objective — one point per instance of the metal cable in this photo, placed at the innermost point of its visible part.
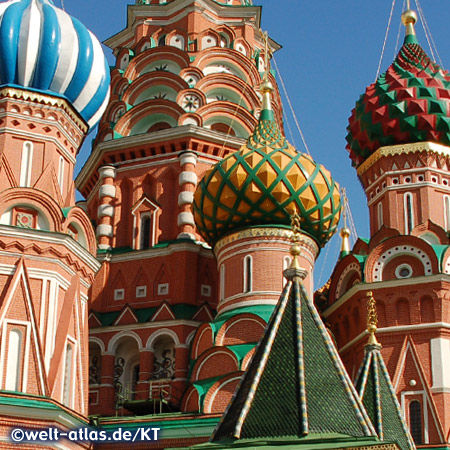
(290, 105)
(385, 39)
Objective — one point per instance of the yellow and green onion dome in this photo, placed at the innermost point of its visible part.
(409, 103)
(263, 184)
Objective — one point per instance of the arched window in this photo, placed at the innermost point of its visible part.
(67, 388)
(13, 375)
(61, 174)
(415, 421)
(409, 212)
(162, 40)
(145, 231)
(26, 164)
(380, 215)
(164, 362)
(248, 272)
(446, 212)
(222, 282)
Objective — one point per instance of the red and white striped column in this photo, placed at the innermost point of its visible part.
(188, 182)
(107, 194)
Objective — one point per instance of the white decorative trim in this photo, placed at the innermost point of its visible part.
(128, 333)
(105, 210)
(388, 255)
(354, 266)
(188, 158)
(107, 190)
(107, 172)
(159, 333)
(104, 230)
(185, 218)
(188, 177)
(185, 198)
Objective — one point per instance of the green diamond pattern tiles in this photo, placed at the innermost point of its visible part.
(409, 103)
(263, 184)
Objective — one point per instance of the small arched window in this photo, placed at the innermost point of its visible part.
(67, 388)
(26, 164)
(248, 273)
(409, 212)
(61, 174)
(162, 40)
(415, 421)
(222, 282)
(380, 215)
(13, 362)
(446, 212)
(145, 231)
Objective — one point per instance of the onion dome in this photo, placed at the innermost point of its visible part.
(43, 48)
(408, 103)
(264, 183)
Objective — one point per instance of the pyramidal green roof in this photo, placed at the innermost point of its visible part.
(296, 385)
(377, 394)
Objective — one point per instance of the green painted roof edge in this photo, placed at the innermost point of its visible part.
(324, 441)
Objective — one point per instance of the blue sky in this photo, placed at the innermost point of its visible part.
(331, 50)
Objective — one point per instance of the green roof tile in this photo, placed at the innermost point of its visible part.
(377, 394)
(296, 385)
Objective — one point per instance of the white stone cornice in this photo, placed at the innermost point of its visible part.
(194, 247)
(52, 238)
(174, 11)
(404, 329)
(124, 143)
(397, 283)
(402, 149)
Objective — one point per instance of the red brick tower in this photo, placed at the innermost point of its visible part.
(399, 142)
(184, 95)
(243, 207)
(50, 97)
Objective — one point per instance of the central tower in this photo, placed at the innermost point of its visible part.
(185, 94)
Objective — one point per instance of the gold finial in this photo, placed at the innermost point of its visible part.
(409, 19)
(266, 88)
(345, 232)
(295, 271)
(372, 318)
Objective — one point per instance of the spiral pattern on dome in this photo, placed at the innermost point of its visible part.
(409, 103)
(43, 48)
(264, 183)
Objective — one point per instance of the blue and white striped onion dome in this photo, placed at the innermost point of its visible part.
(45, 49)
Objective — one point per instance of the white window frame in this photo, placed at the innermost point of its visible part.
(222, 282)
(408, 198)
(119, 294)
(248, 274)
(141, 291)
(61, 174)
(446, 212)
(380, 218)
(26, 164)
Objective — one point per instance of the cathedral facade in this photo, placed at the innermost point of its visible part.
(179, 294)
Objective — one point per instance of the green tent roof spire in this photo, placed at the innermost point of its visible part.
(296, 385)
(376, 391)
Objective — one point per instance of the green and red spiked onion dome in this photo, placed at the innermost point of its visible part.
(264, 183)
(408, 103)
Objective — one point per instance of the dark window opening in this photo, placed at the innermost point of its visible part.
(415, 421)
